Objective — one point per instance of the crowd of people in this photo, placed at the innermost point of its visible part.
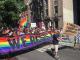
(8, 32)
(35, 32)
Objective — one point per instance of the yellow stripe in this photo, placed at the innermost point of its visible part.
(2, 43)
(26, 39)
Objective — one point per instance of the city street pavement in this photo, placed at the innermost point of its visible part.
(65, 53)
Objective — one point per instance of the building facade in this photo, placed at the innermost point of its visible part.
(76, 7)
(59, 11)
(55, 12)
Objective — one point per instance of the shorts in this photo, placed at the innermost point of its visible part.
(55, 42)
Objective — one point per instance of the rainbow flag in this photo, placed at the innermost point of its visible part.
(25, 22)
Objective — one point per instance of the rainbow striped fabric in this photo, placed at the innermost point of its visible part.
(21, 42)
(25, 22)
(6, 44)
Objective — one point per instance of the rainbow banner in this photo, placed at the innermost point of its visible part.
(4, 43)
(27, 38)
(8, 44)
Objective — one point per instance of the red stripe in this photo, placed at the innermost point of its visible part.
(3, 39)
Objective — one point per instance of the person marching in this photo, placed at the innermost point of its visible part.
(55, 41)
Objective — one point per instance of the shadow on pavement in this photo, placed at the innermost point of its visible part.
(50, 52)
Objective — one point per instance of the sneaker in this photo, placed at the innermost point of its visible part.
(56, 56)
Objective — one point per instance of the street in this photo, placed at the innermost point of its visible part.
(65, 53)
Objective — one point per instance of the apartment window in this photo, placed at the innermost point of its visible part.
(55, 3)
(56, 9)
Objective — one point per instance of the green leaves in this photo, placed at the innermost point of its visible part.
(10, 10)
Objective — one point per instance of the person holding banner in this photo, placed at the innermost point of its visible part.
(55, 41)
(77, 39)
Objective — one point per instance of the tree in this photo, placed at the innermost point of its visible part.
(10, 10)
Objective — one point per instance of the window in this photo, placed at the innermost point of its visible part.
(55, 3)
(56, 9)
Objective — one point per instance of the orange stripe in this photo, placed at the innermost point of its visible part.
(27, 39)
(23, 20)
(27, 36)
(1, 43)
